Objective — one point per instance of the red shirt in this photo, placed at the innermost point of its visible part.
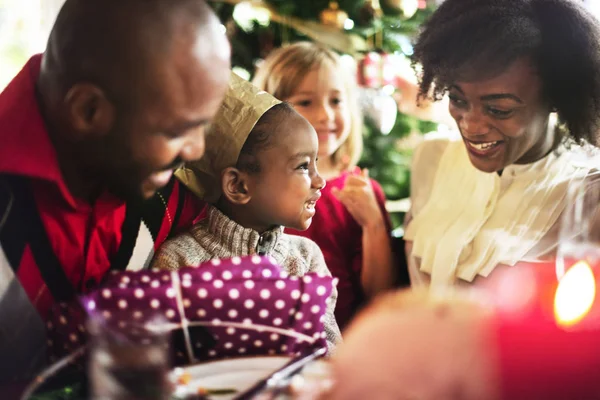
(340, 238)
(83, 236)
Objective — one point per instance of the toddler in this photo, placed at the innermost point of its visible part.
(351, 225)
(258, 175)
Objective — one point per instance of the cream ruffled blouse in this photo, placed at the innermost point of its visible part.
(466, 222)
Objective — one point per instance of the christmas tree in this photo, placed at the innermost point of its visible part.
(364, 29)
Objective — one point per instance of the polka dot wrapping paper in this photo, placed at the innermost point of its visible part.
(223, 308)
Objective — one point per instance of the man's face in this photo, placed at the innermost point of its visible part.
(165, 127)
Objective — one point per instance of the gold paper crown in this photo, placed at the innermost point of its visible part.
(242, 107)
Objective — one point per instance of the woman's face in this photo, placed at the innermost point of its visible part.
(503, 120)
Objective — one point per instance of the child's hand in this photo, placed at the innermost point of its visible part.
(359, 199)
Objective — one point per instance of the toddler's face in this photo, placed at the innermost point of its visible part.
(288, 186)
(321, 98)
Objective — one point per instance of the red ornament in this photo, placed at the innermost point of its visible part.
(376, 70)
(368, 70)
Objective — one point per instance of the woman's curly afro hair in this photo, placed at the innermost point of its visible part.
(477, 39)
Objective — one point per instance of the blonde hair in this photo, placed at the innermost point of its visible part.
(284, 69)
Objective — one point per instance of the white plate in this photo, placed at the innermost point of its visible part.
(241, 373)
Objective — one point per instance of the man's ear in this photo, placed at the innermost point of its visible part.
(234, 185)
(90, 112)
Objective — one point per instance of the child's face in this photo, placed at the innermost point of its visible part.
(288, 185)
(321, 98)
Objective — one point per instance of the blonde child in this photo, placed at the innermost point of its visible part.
(258, 175)
(351, 225)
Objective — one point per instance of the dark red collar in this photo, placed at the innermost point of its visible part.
(26, 149)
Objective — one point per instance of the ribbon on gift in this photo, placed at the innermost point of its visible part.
(223, 308)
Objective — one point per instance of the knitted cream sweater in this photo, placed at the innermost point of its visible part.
(218, 237)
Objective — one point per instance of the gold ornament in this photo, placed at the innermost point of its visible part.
(333, 16)
(370, 11)
(329, 36)
(408, 8)
(375, 5)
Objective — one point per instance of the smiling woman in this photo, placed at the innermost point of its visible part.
(524, 89)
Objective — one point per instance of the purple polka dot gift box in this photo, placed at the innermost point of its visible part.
(223, 308)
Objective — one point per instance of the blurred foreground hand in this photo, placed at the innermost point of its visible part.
(408, 346)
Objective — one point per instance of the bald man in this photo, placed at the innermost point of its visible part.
(91, 132)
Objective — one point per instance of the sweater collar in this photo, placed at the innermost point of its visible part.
(243, 241)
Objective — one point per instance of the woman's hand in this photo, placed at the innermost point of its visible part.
(358, 197)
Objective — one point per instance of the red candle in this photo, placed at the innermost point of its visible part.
(549, 340)
(541, 292)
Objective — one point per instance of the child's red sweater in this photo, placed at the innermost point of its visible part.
(340, 238)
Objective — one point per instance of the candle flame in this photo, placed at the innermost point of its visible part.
(575, 294)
